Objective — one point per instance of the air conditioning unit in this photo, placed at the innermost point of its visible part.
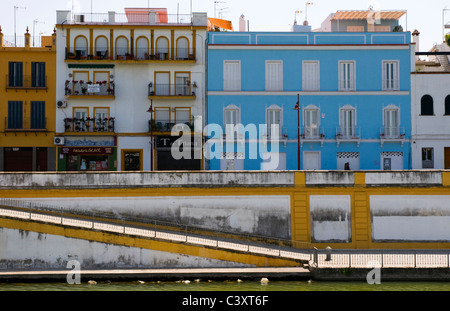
(61, 104)
(59, 141)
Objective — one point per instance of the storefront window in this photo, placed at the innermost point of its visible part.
(93, 163)
(132, 161)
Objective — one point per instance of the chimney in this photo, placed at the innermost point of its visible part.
(415, 39)
(27, 38)
(242, 23)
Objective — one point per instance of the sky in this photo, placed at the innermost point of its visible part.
(263, 15)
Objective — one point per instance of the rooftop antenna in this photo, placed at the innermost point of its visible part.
(215, 3)
(15, 9)
(309, 3)
(34, 25)
(295, 17)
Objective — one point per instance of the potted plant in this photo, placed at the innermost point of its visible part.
(84, 90)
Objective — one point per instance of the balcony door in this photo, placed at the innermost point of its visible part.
(162, 84)
(311, 122)
(182, 82)
(391, 122)
(348, 121)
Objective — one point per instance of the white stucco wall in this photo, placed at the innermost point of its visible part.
(330, 218)
(21, 250)
(410, 218)
(261, 215)
(429, 131)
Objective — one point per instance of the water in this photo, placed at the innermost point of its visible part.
(229, 286)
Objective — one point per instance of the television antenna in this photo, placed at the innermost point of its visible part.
(34, 26)
(15, 10)
(215, 4)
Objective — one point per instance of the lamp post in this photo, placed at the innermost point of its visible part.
(297, 107)
(150, 110)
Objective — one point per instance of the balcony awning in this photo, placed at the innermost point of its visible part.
(219, 23)
(363, 15)
(91, 66)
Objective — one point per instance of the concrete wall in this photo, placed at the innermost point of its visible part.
(25, 250)
(341, 209)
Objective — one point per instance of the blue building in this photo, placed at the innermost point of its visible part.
(352, 89)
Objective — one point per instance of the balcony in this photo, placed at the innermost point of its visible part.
(89, 125)
(25, 124)
(166, 126)
(26, 82)
(348, 135)
(280, 135)
(137, 54)
(172, 91)
(312, 135)
(89, 89)
(392, 134)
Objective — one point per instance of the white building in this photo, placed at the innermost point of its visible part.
(111, 68)
(430, 101)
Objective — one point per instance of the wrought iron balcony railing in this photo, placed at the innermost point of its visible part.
(26, 82)
(89, 125)
(171, 89)
(26, 124)
(82, 88)
(169, 125)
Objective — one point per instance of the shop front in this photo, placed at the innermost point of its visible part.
(81, 154)
(166, 161)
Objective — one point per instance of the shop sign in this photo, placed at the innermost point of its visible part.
(168, 141)
(93, 88)
(87, 150)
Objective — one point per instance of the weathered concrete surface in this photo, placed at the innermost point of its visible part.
(27, 251)
(101, 180)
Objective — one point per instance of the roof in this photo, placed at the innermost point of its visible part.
(219, 23)
(362, 15)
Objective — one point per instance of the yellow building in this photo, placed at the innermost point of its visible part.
(27, 105)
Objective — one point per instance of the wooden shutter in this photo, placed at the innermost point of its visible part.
(232, 76)
(274, 76)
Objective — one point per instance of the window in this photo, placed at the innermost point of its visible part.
(162, 83)
(447, 105)
(102, 121)
(38, 74)
(391, 122)
(132, 160)
(274, 118)
(182, 84)
(347, 76)
(231, 115)
(311, 76)
(121, 47)
(80, 47)
(80, 116)
(311, 121)
(142, 48)
(274, 75)
(15, 115)
(162, 48)
(427, 158)
(161, 120)
(182, 48)
(390, 76)
(231, 75)
(15, 74)
(101, 47)
(182, 115)
(347, 121)
(426, 106)
(38, 120)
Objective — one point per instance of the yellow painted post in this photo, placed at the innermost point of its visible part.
(300, 215)
(361, 219)
(446, 179)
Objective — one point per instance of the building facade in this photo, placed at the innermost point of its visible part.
(27, 109)
(124, 80)
(430, 110)
(352, 90)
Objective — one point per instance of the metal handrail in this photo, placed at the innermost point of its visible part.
(150, 228)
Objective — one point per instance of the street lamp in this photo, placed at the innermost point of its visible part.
(297, 107)
(150, 110)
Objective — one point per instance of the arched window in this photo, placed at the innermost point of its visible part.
(80, 46)
(121, 46)
(101, 47)
(182, 48)
(447, 105)
(426, 106)
(142, 48)
(162, 48)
